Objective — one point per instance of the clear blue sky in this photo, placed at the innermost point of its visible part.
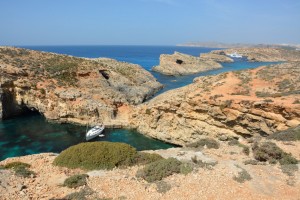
(148, 22)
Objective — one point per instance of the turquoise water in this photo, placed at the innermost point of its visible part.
(31, 134)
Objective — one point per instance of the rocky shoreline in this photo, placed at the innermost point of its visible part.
(179, 64)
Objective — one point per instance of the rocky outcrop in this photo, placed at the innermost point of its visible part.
(246, 103)
(262, 54)
(70, 89)
(216, 57)
(183, 64)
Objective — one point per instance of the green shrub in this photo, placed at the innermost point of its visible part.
(291, 134)
(208, 142)
(160, 169)
(96, 155)
(234, 142)
(289, 169)
(20, 169)
(243, 176)
(16, 164)
(76, 181)
(81, 195)
(269, 151)
(162, 187)
(143, 158)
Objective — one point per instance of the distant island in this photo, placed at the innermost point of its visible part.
(238, 45)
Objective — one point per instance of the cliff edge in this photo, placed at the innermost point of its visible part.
(71, 89)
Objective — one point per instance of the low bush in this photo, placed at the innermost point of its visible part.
(160, 169)
(234, 142)
(270, 152)
(291, 134)
(16, 164)
(243, 176)
(96, 155)
(76, 181)
(163, 187)
(208, 142)
(289, 169)
(20, 169)
(143, 158)
(81, 195)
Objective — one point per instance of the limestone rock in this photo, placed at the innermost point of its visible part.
(246, 103)
(216, 57)
(182, 64)
(262, 54)
(70, 89)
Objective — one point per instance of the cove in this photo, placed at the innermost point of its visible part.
(32, 134)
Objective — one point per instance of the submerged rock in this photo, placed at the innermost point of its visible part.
(182, 64)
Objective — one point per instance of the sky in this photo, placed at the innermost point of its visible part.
(148, 22)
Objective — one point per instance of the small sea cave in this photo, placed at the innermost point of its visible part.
(11, 108)
(178, 61)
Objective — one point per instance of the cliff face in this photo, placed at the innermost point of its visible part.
(258, 101)
(262, 54)
(216, 57)
(70, 89)
(182, 64)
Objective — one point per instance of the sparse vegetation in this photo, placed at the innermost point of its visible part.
(270, 152)
(289, 169)
(20, 169)
(81, 195)
(291, 134)
(234, 142)
(162, 186)
(160, 169)
(297, 101)
(76, 181)
(208, 142)
(96, 155)
(202, 164)
(243, 176)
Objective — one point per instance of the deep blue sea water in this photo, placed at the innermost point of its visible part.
(32, 134)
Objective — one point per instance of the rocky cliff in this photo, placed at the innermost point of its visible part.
(246, 103)
(262, 54)
(71, 89)
(182, 64)
(216, 57)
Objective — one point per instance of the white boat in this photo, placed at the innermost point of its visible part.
(235, 55)
(94, 132)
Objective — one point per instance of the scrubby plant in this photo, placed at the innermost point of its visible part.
(242, 176)
(160, 169)
(269, 151)
(16, 164)
(20, 169)
(208, 142)
(234, 142)
(81, 195)
(291, 134)
(96, 155)
(289, 169)
(163, 187)
(76, 180)
(143, 158)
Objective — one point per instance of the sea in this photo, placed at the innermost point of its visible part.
(32, 133)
